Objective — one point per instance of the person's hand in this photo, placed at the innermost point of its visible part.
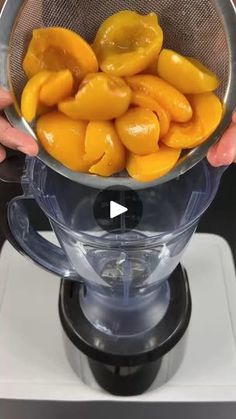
(224, 152)
(11, 137)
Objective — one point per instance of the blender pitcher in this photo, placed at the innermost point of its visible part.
(126, 279)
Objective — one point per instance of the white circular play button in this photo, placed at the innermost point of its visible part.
(118, 209)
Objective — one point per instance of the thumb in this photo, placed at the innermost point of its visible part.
(224, 152)
(5, 98)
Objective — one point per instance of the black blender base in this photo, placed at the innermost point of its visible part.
(125, 374)
(125, 381)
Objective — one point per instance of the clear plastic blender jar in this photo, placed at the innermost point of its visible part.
(124, 271)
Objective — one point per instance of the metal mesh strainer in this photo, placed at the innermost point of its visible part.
(205, 30)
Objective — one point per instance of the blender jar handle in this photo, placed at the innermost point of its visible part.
(32, 244)
(15, 224)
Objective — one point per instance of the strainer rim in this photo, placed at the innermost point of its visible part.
(227, 12)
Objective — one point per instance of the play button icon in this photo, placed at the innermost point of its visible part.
(118, 210)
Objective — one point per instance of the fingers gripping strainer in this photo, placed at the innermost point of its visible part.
(203, 29)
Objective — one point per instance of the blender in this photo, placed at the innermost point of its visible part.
(124, 299)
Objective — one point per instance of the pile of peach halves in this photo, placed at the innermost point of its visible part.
(122, 103)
